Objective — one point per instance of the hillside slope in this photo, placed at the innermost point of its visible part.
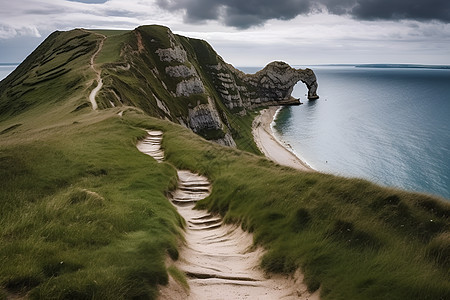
(168, 76)
(84, 214)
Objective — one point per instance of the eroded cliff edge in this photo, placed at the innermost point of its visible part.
(168, 76)
(190, 84)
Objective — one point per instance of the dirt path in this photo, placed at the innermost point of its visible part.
(218, 259)
(98, 72)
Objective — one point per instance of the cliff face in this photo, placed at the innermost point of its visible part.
(193, 73)
(177, 78)
(272, 85)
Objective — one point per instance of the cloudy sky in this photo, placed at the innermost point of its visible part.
(252, 32)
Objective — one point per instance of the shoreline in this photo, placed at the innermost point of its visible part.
(270, 146)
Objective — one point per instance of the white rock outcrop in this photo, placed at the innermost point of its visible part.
(276, 81)
(190, 87)
(181, 71)
(172, 54)
(272, 85)
(227, 140)
(161, 105)
(204, 116)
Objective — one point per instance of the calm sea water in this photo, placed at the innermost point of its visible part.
(391, 126)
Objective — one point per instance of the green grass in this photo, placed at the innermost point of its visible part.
(109, 32)
(179, 276)
(155, 36)
(56, 70)
(242, 132)
(351, 238)
(84, 214)
(112, 46)
(91, 218)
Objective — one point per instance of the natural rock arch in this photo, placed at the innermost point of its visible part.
(277, 80)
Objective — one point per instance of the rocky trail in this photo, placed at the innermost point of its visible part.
(94, 92)
(218, 259)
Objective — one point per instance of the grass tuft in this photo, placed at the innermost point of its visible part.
(439, 250)
(301, 219)
(84, 214)
(345, 232)
(179, 276)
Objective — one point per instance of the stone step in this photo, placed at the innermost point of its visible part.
(194, 189)
(184, 202)
(220, 276)
(191, 183)
(206, 222)
(208, 227)
(203, 217)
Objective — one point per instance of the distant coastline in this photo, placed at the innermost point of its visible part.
(388, 66)
(402, 66)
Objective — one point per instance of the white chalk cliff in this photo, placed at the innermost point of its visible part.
(189, 83)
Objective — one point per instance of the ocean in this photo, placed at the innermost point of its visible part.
(388, 125)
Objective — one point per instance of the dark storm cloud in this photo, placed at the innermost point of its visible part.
(90, 1)
(239, 13)
(403, 9)
(246, 13)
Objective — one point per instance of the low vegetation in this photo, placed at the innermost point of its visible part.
(351, 238)
(84, 214)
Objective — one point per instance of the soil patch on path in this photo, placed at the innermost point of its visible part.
(219, 260)
(94, 92)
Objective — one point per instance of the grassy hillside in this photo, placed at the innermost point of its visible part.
(83, 213)
(352, 238)
(56, 70)
(134, 75)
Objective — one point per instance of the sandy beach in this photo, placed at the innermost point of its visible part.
(270, 146)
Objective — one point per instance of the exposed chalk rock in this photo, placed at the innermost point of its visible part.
(190, 87)
(276, 81)
(161, 105)
(172, 54)
(204, 117)
(180, 71)
(227, 140)
(182, 122)
(175, 67)
(272, 85)
(168, 76)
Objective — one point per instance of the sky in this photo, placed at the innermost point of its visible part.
(252, 32)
